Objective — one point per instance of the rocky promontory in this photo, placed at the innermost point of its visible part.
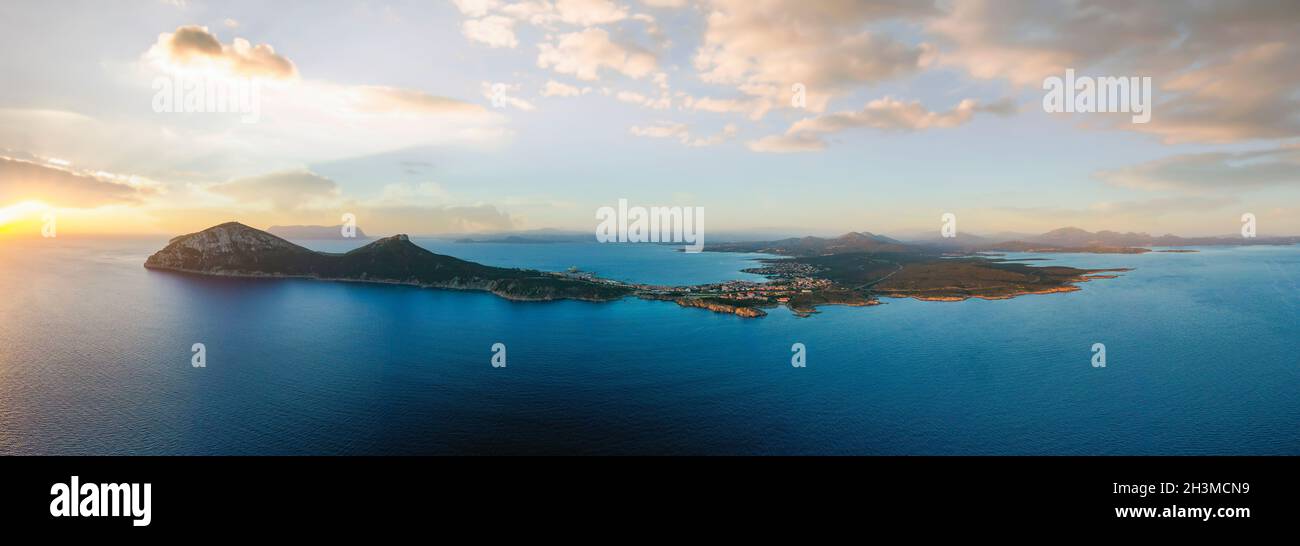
(236, 250)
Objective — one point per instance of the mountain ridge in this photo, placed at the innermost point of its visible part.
(1060, 240)
(236, 250)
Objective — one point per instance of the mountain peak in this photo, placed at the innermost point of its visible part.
(219, 246)
(392, 239)
(1071, 230)
(230, 236)
(399, 244)
(236, 250)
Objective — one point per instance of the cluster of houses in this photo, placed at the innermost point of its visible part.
(788, 282)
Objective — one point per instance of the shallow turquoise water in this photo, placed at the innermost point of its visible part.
(95, 358)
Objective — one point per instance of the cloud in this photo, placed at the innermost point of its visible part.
(1102, 215)
(754, 108)
(304, 197)
(476, 8)
(1162, 206)
(375, 98)
(493, 30)
(205, 147)
(762, 48)
(426, 208)
(661, 129)
(436, 219)
(728, 132)
(589, 12)
(284, 191)
(886, 114)
(209, 147)
(889, 114)
(582, 13)
(193, 46)
(682, 133)
(783, 144)
(503, 95)
(1212, 171)
(57, 185)
(536, 12)
(557, 89)
(1248, 96)
(375, 220)
(1224, 71)
(586, 53)
(405, 194)
(662, 102)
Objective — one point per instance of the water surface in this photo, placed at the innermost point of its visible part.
(95, 359)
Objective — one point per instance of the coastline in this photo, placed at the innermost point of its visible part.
(798, 283)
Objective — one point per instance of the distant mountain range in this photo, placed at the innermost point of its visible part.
(816, 246)
(532, 236)
(313, 232)
(1064, 240)
(1067, 239)
(1072, 239)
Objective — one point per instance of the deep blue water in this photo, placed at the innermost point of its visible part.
(95, 358)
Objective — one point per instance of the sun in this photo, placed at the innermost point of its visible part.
(20, 211)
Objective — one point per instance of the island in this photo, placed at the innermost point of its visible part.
(854, 270)
(236, 250)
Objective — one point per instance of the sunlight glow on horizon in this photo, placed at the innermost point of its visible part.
(19, 211)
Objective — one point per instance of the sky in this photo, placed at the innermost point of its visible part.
(792, 116)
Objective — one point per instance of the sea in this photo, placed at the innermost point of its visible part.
(97, 357)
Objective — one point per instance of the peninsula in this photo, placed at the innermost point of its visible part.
(855, 269)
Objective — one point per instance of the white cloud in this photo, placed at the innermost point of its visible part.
(406, 194)
(282, 191)
(886, 114)
(193, 46)
(682, 133)
(661, 129)
(754, 108)
(586, 53)
(557, 89)
(375, 98)
(56, 184)
(299, 120)
(1212, 171)
(506, 95)
(660, 103)
(476, 8)
(782, 144)
(582, 13)
(764, 48)
(589, 12)
(889, 114)
(493, 30)
(1224, 71)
